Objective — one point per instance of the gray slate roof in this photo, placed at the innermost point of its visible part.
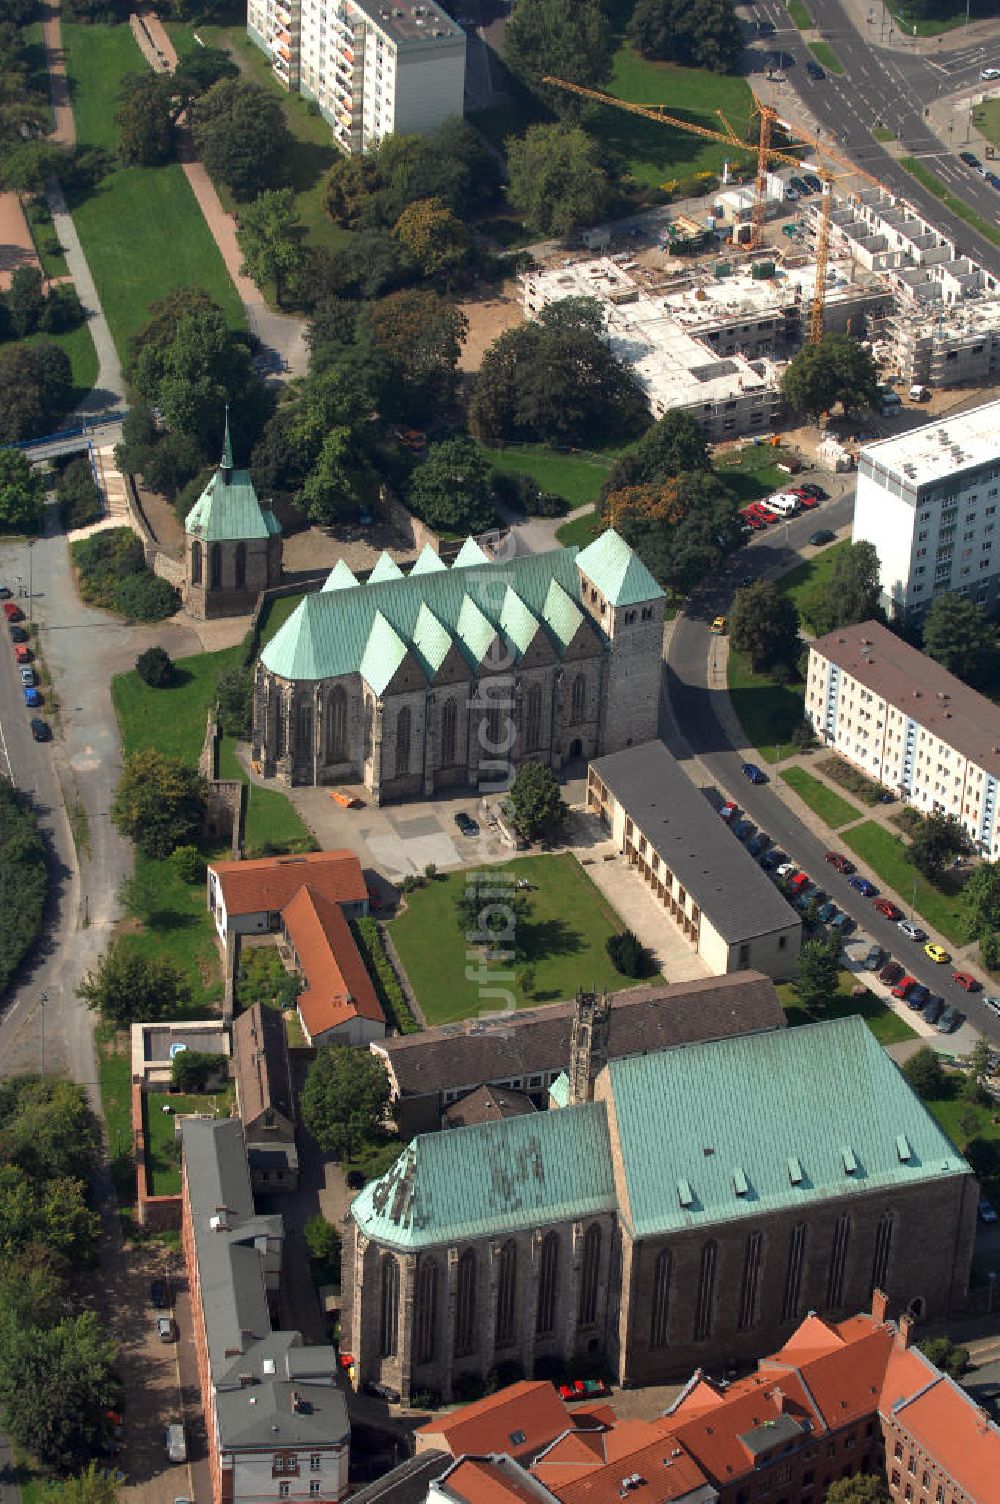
(736, 896)
(535, 1041)
(231, 1245)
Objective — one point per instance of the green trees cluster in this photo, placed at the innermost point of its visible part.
(934, 842)
(36, 390)
(345, 1099)
(24, 880)
(556, 380)
(453, 490)
(697, 33)
(150, 104)
(568, 39)
(272, 238)
(851, 592)
(764, 624)
(819, 974)
(240, 132)
(557, 178)
(22, 493)
(836, 369)
(77, 494)
(24, 106)
(963, 639)
(981, 911)
(159, 802)
(193, 1070)
(113, 574)
(127, 986)
(27, 308)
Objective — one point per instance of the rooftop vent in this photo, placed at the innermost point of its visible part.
(794, 1170)
(903, 1147)
(740, 1185)
(268, 1365)
(850, 1163)
(684, 1195)
(517, 1438)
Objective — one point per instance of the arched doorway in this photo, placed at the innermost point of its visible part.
(576, 747)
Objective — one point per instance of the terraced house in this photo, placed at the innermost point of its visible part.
(686, 1207)
(447, 677)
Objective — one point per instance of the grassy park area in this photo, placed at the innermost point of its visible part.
(752, 471)
(887, 1026)
(799, 582)
(122, 223)
(576, 477)
(800, 16)
(885, 854)
(768, 712)
(562, 941)
(172, 718)
(829, 806)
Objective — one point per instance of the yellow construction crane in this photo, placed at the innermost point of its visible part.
(765, 153)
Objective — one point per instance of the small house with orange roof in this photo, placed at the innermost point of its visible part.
(519, 1420)
(338, 1004)
(246, 898)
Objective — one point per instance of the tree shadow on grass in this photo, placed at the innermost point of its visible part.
(548, 937)
(164, 920)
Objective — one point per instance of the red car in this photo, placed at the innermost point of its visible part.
(765, 515)
(752, 520)
(903, 987)
(840, 862)
(799, 881)
(965, 980)
(12, 612)
(888, 908)
(728, 810)
(22, 652)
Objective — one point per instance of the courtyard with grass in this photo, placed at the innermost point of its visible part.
(752, 471)
(767, 711)
(885, 854)
(171, 719)
(271, 822)
(163, 1146)
(562, 941)
(576, 477)
(814, 572)
(887, 1026)
(141, 228)
(828, 805)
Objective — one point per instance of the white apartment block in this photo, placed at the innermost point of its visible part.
(372, 68)
(907, 723)
(928, 501)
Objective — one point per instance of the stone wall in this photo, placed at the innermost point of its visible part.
(171, 570)
(155, 1213)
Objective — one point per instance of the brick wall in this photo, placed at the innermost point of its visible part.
(156, 1213)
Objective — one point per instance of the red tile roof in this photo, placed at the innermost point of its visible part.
(658, 1471)
(338, 987)
(266, 884)
(948, 1426)
(480, 1480)
(530, 1408)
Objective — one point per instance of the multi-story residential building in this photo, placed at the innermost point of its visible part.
(372, 66)
(928, 501)
(909, 724)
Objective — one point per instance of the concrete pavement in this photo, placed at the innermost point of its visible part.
(64, 133)
(109, 390)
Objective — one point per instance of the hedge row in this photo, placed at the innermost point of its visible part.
(24, 880)
(390, 993)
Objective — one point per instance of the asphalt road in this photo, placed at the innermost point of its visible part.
(689, 724)
(895, 88)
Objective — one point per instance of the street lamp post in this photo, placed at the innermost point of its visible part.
(31, 544)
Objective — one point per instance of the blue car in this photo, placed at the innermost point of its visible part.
(844, 923)
(864, 887)
(772, 859)
(32, 697)
(827, 913)
(760, 842)
(933, 1008)
(756, 775)
(742, 829)
(918, 996)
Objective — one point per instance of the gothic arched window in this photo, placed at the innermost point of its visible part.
(548, 1286)
(591, 1275)
(533, 719)
(506, 1314)
(449, 725)
(465, 1304)
(660, 1308)
(578, 702)
(403, 740)
(215, 567)
(241, 566)
(336, 725)
(425, 1318)
(196, 563)
(389, 1333)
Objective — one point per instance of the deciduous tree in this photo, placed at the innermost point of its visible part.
(981, 901)
(674, 445)
(568, 39)
(155, 667)
(534, 800)
(417, 337)
(22, 494)
(159, 802)
(836, 369)
(57, 1386)
(436, 240)
(764, 624)
(946, 1355)
(145, 119)
(819, 974)
(128, 986)
(925, 1073)
(345, 1098)
(241, 135)
(271, 237)
(863, 1488)
(852, 592)
(557, 179)
(962, 638)
(451, 489)
(697, 33)
(934, 842)
(25, 301)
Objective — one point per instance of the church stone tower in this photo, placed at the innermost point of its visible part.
(620, 595)
(232, 545)
(588, 1044)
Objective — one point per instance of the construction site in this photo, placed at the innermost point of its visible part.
(709, 313)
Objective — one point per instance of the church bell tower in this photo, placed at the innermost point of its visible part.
(588, 1046)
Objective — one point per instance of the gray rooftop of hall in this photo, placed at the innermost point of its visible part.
(269, 1388)
(411, 21)
(736, 896)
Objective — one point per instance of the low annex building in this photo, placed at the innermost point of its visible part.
(275, 1419)
(338, 1004)
(438, 1069)
(232, 545)
(838, 1399)
(687, 1206)
(726, 906)
(246, 898)
(909, 724)
(264, 1099)
(444, 677)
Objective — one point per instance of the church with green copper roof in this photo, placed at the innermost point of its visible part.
(232, 545)
(450, 676)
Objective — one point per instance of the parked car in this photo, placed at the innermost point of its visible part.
(159, 1294)
(40, 730)
(758, 843)
(864, 885)
(787, 869)
(756, 775)
(27, 674)
(32, 697)
(903, 986)
(176, 1443)
(845, 924)
(987, 1211)
(815, 71)
(891, 972)
(12, 611)
(772, 859)
(806, 502)
(993, 1004)
(836, 859)
(950, 1019)
(970, 159)
(5, 592)
(718, 626)
(874, 959)
(965, 981)
(816, 185)
(383, 1392)
(799, 882)
(827, 912)
(18, 634)
(466, 824)
(888, 908)
(937, 953)
(987, 74)
(800, 187)
(910, 930)
(22, 652)
(743, 829)
(933, 1008)
(919, 995)
(583, 1389)
(728, 810)
(821, 536)
(166, 1328)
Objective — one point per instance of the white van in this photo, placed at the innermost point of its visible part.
(781, 506)
(920, 394)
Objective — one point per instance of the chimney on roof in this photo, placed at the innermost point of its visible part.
(780, 1399)
(904, 1332)
(880, 1307)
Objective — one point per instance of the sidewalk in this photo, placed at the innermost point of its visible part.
(108, 392)
(64, 133)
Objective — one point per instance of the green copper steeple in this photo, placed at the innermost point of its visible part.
(227, 452)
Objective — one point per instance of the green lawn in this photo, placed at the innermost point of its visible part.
(800, 16)
(929, 26)
(753, 472)
(141, 229)
(768, 712)
(563, 941)
(958, 206)
(578, 478)
(43, 233)
(174, 923)
(655, 154)
(986, 118)
(261, 971)
(271, 820)
(800, 581)
(114, 1071)
(824, 53)
(79, 346)
(173, 718)
(831, 808)
(887, 1026)
(885, 853)
(579, 532)
(163, 1161)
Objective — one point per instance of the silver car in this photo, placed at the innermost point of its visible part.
(176, 1443)
(911, 931)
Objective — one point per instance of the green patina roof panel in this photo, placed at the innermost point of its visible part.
(385, 569)
(341, 577)
(561, 614)
(428, 562)
(431, 642)
(384, 652)
(494, 1177)
(759, 1102)
(469, 553)
(619, 575)
(327, 635)
(516, 622)
(230, 511)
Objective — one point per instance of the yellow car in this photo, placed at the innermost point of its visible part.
(937, 953)
(719, 625)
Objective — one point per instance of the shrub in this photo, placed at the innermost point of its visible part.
(323, 1241)
(628, 954)
(78, 495)
(144, 597)
(155, 667)
(387, 986)
(191, 1070)
(24, 879)
(234, 702)
(189, 864)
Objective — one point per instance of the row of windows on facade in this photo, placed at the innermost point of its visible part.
(467, 1332)
(337, 741)
(215, 565)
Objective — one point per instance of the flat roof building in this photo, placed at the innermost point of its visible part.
(927, 500)
(727, 907)
(909, 724)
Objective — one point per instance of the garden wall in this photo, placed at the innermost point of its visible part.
(155, 1213)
